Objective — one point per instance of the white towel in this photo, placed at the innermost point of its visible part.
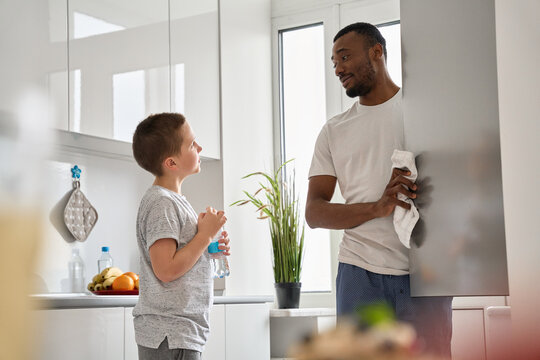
(405, 220)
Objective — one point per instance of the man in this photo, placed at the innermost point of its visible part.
(354, 148)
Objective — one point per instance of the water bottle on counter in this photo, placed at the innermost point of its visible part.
(76, 272)
(105, 260)
(220, 264)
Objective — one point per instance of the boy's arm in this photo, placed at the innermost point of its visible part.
(169, 263)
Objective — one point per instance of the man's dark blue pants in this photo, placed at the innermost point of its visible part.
(430, 316)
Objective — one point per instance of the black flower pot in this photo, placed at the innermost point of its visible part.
(288, 295)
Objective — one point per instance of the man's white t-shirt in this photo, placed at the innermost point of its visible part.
(356, 148)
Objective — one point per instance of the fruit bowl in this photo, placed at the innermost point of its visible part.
(113, 281)
(116, 292)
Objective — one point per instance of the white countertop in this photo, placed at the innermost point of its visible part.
(84, 300)
(302, 312)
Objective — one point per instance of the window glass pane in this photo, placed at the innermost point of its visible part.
(392, 35)
(304, 114)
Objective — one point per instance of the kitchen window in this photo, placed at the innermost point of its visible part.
(307, 94)
(302, 115)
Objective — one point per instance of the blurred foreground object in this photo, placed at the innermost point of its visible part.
(373, 334)
(19, 234)
(22, 151)
(27, 54)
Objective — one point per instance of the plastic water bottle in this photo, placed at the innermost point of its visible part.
(76, 272)
(105, 260)
(220, 264)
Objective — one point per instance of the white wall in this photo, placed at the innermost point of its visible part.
(247, 137)
(518, 56)
(114, 187)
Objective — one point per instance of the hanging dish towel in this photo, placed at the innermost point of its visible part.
(79, 214)
(405, 220)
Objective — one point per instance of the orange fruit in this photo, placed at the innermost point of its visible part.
(132, 275)
(137, 284)
(123, 282)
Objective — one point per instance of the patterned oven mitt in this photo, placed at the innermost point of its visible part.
(79, 215)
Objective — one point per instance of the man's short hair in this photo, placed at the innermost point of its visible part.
(156, 138)
(369, 31)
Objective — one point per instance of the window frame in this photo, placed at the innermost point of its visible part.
(328, 17)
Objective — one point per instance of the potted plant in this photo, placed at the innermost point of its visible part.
(280, 206)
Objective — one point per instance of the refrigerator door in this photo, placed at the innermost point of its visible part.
(452, 125)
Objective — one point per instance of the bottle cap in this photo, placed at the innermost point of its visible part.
(105, 248)
(213, 247)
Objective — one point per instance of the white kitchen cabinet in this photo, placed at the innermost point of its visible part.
(118, 65)
(237, 332)
(130, 346)
(131, 60)
(468, 336)
(195, 69)
(498, 333)
(95, 69)
(34, 63)
(215, 346)
(247, 328)
(83, 334)
(290, 326)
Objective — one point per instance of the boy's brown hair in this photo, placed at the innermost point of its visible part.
(156, 138)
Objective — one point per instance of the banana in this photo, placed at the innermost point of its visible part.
(107, 284)
(96, 278)
(98, 287)
(110, 272)
(90, 286)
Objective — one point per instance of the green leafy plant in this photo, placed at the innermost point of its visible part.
(375, 313)
(280, 206)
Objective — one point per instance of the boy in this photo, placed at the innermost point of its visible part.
(176, 287)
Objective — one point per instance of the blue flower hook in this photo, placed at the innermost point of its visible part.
(75, 172)
(75, 176)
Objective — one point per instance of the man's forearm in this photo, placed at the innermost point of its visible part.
(327, 215)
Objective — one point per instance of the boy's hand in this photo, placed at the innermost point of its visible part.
(210, 222)
(224, 243)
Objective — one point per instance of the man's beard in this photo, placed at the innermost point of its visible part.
(364, 86)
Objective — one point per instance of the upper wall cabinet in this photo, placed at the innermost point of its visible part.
(33, 34)
(195, 69)
(129, 59)
(118, 65)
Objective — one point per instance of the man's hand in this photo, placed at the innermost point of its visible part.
(398, 184)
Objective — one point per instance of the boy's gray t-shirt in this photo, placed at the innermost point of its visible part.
(178, 309)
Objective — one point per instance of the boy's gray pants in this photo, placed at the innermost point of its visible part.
(164, 353)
